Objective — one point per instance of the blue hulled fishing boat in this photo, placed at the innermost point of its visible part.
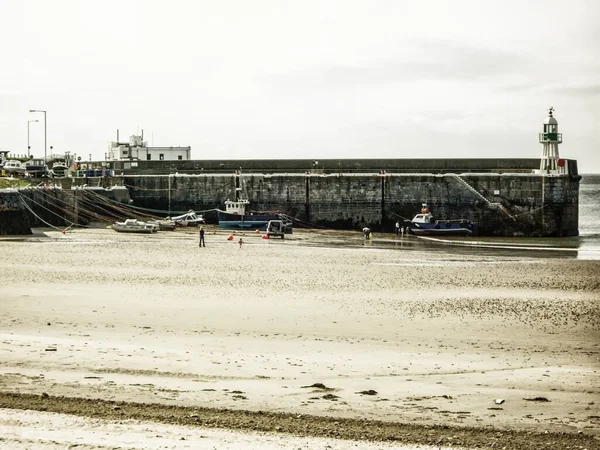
(424, 224)
(238, 216)
(235, 217)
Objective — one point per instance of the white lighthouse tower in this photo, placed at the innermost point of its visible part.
(550, 138)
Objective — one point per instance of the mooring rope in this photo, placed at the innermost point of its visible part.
(159, 211)
(39, 218)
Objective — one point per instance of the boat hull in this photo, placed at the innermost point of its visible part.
(259, 222)
(134, 226)
(133, 230)
(440, 228)
(246, 221)
(164, 225)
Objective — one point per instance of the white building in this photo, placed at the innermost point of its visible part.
(137, 150)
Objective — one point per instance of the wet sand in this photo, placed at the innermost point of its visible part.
(317, 325)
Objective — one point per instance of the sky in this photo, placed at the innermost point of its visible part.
(241, 79)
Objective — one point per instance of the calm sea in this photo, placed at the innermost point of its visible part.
(589, 216)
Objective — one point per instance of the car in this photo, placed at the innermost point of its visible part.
(276, 228)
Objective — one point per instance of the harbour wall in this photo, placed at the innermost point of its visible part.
(325, 166)
(503, 197)
(57, 206)
(506, 204)
(13, 217)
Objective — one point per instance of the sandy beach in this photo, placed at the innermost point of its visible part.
(451, 349)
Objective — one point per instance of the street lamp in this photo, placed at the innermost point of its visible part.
(28, 146)
(45, 133)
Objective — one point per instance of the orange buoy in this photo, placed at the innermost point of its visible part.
(265, 236)
(230, 237)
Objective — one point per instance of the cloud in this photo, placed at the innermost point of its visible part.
(580, 89)
(416, 61)
(583, 90)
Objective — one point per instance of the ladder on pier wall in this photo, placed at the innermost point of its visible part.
(490, 204)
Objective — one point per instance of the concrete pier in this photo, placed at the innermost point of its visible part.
(500, 204)
(13, 219)
(510, 197)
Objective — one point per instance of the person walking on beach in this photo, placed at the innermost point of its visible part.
(241, 242)
(397, 228)
(201, 243)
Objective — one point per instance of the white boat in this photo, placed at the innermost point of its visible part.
(12, 166)
(189, 219)
(59, 170)
(164, 224)
(135, 226)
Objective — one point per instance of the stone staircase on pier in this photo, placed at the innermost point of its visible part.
(506, 210)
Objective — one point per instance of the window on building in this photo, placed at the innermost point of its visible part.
(180, 157)
(161, 156)
(124, 152)
(148, 156)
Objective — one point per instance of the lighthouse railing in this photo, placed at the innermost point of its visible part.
(551, 137)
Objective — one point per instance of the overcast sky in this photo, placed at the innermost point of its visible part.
(303, 79)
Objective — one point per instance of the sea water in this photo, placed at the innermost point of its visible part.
(589, 216)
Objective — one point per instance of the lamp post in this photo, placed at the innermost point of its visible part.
(28, 146)
(45, 133)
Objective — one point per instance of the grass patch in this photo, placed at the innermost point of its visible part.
(6, 183)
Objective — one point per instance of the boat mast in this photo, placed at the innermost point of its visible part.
(238, 187)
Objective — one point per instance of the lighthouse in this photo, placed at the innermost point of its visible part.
(550, 138)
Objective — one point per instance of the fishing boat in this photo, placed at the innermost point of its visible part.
(424, 224)
(134, 226)
(238, 216)
(189, 219)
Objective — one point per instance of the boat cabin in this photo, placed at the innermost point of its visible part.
(236, 207)
(13, 166)
(423, 218)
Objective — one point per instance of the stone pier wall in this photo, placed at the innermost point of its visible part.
(341, 194)
(533, 204)
(13, 218)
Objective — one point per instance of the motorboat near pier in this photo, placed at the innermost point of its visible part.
(189, 219)
(135, 226)
(424, 224)
(164, 224)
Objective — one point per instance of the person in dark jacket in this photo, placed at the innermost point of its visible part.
(201, 244)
